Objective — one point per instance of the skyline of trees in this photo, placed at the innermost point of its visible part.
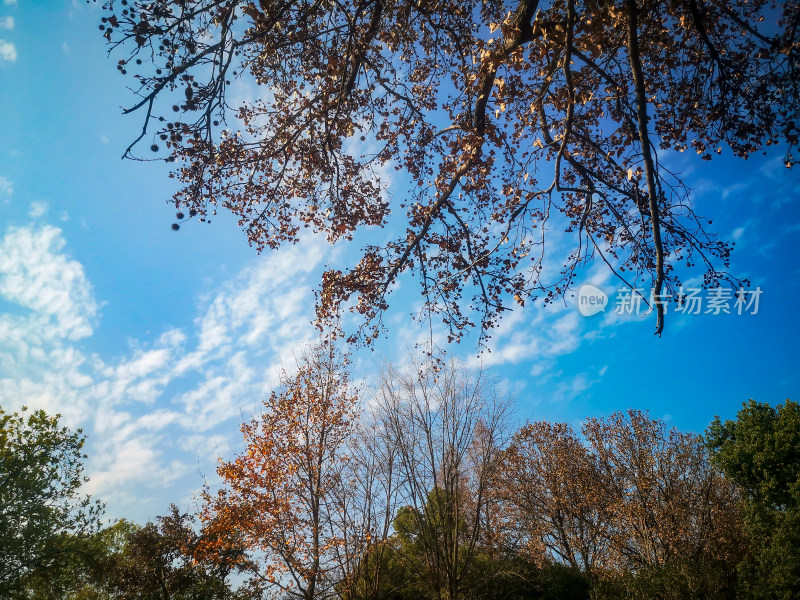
(422, 487)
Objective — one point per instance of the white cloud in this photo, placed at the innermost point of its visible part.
(150, 412)
(532, 334)
(6, 187)
(37, 276)
(10, 2)
(7, 51)
(133, 460)
(572, 388)
(774, 169)
(51, 378)
(37, 209)
(566, 334)
(6, 22)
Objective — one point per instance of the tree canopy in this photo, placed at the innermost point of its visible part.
(759, 452)
(627, 495)
(422, 491)
(508, 120)
(44, 518)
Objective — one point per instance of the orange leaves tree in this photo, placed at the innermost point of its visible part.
(628, 499)
(507, 119)
(280, 494)
(660, 483)
(550, 483)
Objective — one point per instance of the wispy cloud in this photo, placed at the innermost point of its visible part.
(37, 209)
(6, 187)
(146, 412)
(572, 388)
(6, 22)
(733, 189)
(7, 51)
(35, 274)
(774, 169)
(540, 333)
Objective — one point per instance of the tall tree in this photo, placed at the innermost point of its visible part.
(550, 480)
(628, 499)
(671, 502)
(282, 494)
(760, 451)
(369, 502)
(447, 426)
(44, 517)
(508, 120)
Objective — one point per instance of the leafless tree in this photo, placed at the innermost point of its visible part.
(447, 425)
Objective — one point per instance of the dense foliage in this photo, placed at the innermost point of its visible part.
(44, 518)
(760, 451)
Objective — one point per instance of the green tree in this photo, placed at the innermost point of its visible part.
(87, 573)
(160, 562)
(760, 451)
(127, 562)
(45, 520)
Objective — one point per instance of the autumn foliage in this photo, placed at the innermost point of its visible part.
(626, 495)
(504, 120)
(420, 490)
(280, 495)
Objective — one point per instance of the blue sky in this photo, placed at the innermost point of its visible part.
(156, 342)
